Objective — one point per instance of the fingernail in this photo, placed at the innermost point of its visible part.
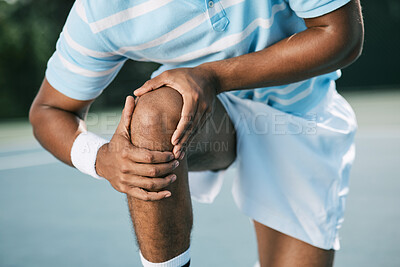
(171, 157)
(174, 139)
(178, 154)
(176, 164)
(168, 194)
(173, 178)
(182, 155)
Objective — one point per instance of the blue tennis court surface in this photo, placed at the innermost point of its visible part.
(52, 215)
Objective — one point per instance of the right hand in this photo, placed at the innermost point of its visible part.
(138, 172)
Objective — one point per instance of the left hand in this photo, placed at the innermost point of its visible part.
(198, 87)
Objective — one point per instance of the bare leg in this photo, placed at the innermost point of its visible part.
(276, 249)
(163, 227)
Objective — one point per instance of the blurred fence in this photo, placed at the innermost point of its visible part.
(29, 30)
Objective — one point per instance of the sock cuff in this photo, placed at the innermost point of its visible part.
(178, 261)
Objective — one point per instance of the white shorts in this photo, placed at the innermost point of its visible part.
(291, 172)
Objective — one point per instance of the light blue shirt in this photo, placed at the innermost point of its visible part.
(100, 35)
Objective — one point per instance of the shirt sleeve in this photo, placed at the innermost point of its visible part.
(315, 8)
(83, 64)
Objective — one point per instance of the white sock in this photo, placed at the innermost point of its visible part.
(178, 261)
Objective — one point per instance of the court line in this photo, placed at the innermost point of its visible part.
(26, 160)
(18, 149)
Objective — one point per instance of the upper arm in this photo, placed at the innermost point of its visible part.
(346, 21)
(48, 97)
(80, 68)
(339, 26)
(84, 62)
(344, 27)
(342, 17)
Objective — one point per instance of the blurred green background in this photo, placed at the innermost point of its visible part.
(52, 215)
(29, 30)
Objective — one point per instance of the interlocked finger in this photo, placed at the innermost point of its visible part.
(144, 195)
(149, 184)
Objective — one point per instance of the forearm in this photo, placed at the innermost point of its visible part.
(55, 130)
(291, 60)
(317, 50)
(57, 121)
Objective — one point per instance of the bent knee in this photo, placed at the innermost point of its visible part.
(156, 116)
(157, 108)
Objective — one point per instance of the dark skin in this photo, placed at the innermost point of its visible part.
(330, 42)
(57, 120)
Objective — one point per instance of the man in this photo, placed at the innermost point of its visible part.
(292, 181)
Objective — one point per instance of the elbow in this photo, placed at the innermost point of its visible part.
(350, 32)
(34, 113)
(33, 117)
(351, 44)
(353, 50)
(36, 117)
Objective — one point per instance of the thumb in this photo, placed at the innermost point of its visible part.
(150, 85)
(127, 113)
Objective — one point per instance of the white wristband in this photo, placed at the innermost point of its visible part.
(84, 152)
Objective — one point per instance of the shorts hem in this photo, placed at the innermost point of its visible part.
(281, 224)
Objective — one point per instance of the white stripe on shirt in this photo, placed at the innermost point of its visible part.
(281, 91)
(96, 42)
(294, 99)
(80, 10)
(173, 34)
(227, 41)
(83, 50)
(177, 32)
(127, 14)
(88, 73)
(169, 36)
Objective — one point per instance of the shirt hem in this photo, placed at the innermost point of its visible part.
(322, 10)
(67, 91)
